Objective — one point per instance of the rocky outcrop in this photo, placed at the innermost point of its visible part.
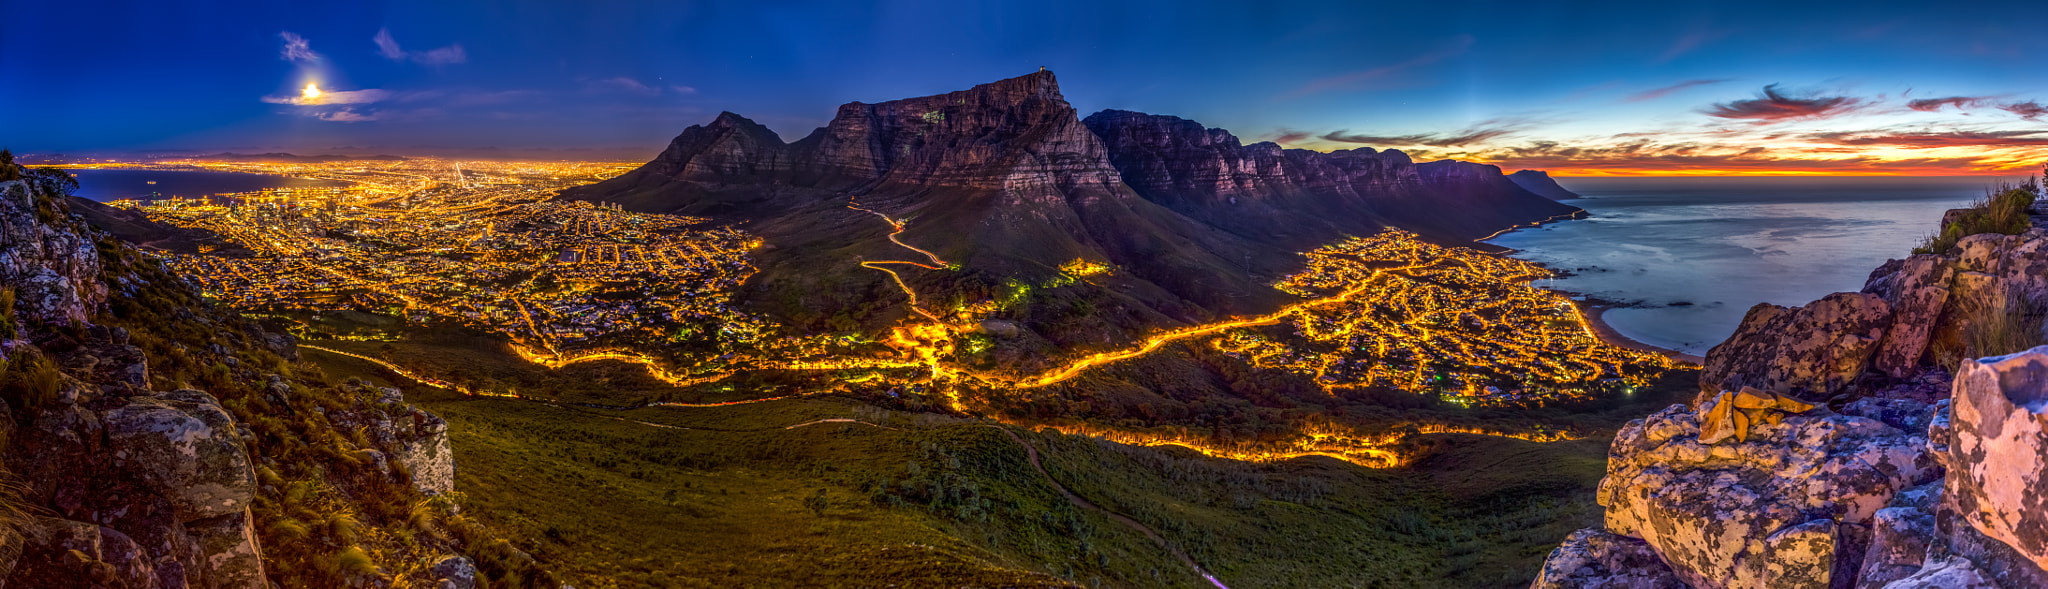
(54, 273)
(413, 438)
(131, 486)
(1912, 314)
(1540, 183)
(159, 483)
(1811, 352)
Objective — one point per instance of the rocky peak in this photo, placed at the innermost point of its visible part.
(1008, 133)
(1539, 182)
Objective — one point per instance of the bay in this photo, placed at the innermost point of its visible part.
(1691, 255)
(123, 184)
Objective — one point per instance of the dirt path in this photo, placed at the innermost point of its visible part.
(1079, 501)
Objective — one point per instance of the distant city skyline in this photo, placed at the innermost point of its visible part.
(1620, 88)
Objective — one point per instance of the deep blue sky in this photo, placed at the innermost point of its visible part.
(1518, 83)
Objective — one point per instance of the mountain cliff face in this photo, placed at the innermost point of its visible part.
(153, 441)
(1903, 477)
(1539, 182)
(1265, 192)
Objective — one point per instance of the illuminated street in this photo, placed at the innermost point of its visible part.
(482, 244)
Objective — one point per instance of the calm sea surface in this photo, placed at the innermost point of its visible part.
(1695, 254)
(106, 185)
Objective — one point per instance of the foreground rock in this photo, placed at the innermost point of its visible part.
(1811, 352)
(1831, 500)
(1774, 511)
(1594, 559)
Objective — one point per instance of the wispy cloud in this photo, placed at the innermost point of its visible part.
(346, 116)
(1286, 136)
(297, 49)
(1772, 106)
(332, 98)
(1926, 139)
(1935, 104)
(1693, 157)
(1689, 42)
(624, 84)
(1457, 47)
(388, 48)
(2029, 110)
(1657, 93)
(1482, 132)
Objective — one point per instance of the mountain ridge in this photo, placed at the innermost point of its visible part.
(1006, 180)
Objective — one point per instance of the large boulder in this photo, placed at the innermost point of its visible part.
(1917, 289)
(1812, 352)
(1597, 559)
(1789, 507)
(1998, 451)
(184, 445)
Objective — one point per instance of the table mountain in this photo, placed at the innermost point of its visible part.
(1008, 183)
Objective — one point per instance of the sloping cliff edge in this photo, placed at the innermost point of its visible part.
(1917, 466)
(152, 440)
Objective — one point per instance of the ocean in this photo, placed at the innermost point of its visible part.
(122, 184)
(1690, 256)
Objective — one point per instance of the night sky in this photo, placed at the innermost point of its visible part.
(1641, 87)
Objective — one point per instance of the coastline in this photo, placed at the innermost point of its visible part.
(1593, 312)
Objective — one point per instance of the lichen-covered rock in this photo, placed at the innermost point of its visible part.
(54, 271)
(1759, 513)
(453, 572)
(1948, 573)
(183, 444)
(1998, 455)
(1810, 352)
(228, 547)
(412, 437)
(1801, 556)
(1596, 559)
(1906, 414)
(1898, 546)
(1917, 289)
(428, 455)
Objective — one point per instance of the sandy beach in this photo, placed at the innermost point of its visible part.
(1593, 312)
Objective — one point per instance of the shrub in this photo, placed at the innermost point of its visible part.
(2001, 211)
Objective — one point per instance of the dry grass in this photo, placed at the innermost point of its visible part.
(2003, 210)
